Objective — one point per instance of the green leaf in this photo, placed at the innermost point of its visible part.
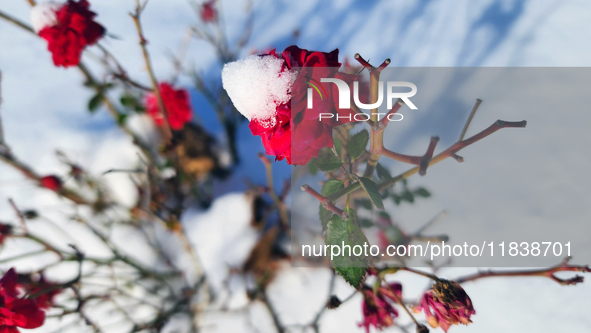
(121, 118)
(127, 100)
(365, 203)
(324, 215)
(357, 144)
(95, 102)
(327, 161)
(131, 102)
(331, 186)
(385, 215)
(365, 223)
(397, 199)
(337, 145)
(422, 192)
(372, 190)
(395, 235)
(313, 167)
(383, 173)
(351, 267)
(408, 196)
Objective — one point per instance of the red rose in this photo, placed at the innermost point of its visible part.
(177, 103)
(14, 311)
(68, 29)
(297, 134)
(53, 183)
(208, 12)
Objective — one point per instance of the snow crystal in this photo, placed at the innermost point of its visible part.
(43, 15)
(257, 85)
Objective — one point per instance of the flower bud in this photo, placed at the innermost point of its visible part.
(53, 183)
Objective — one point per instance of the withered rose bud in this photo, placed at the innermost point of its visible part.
(377, 311)
(333, 302)
(446, 304)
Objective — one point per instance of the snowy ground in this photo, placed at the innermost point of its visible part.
(44, 109)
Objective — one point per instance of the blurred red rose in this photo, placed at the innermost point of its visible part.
(177, 103)
(68, 29)
(208, 12)
(53, 183)
(14, 311)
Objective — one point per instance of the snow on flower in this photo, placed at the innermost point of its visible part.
(15, 311)
(68, 29)
(264, 90)
(44, 15)
(257, 85)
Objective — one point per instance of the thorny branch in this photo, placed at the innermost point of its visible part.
(547, 273)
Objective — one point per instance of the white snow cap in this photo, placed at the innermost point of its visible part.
(257, 85)
(43, 15)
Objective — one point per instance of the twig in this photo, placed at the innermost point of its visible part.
(8, 158)
(450, 152)
(326, 203)
(21, 256)
(270, 189)
(548, 273)
(166, 132)
(274, 315)
(21, 218)
(472, 113)
(1, 128)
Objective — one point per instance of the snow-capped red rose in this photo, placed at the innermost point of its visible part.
(177, 103)
(270, 90)
(309, 133)
(68, 29)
